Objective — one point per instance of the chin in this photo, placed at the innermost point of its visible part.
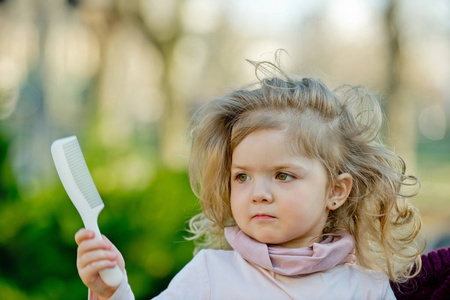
(266, 239)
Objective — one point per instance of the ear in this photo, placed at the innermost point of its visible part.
(340, 191)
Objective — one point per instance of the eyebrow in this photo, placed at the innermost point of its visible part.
(275, 167)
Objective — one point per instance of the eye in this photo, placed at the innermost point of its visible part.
(242, 177)
(283, 176)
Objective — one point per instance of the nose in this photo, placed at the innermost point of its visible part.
(262, 193)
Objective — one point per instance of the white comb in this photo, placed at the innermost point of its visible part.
(80, 187)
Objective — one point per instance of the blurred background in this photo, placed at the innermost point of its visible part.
(124, 76)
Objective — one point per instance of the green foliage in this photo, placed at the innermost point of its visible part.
(37, 247)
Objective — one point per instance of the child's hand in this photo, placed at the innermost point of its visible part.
(93, 256)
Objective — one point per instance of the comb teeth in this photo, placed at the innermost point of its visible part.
(80, 172)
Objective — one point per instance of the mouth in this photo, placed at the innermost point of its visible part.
(263, 217)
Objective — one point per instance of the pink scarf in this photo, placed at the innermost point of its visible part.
(334, 250)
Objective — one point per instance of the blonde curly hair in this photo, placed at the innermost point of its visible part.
(340, 129)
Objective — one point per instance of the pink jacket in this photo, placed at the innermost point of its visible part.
(324, 270)
(220, 274)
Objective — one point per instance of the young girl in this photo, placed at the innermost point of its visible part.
(298, 194)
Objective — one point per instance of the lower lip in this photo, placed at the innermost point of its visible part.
(263, 218)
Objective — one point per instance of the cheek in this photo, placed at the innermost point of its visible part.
(237, 204)
(237, 214)
(233, 201)
(237, 193)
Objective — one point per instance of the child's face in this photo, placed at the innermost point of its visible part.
(277, 197)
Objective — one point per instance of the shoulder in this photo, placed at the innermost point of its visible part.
(355, 279)
(210, 259)
(207, 258)
(211, 255)
(357, 270)
(195, 279)
(358, 273)
(218, 262)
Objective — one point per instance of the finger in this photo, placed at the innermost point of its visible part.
(108, 241)
(90, 273)
(110, 244)
(92, 257)
(92, 245)
(120, 260)
(83, 234)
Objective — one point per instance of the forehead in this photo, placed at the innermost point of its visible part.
(306, 132)
(270, 145)
(267, 151)
(262, 139)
